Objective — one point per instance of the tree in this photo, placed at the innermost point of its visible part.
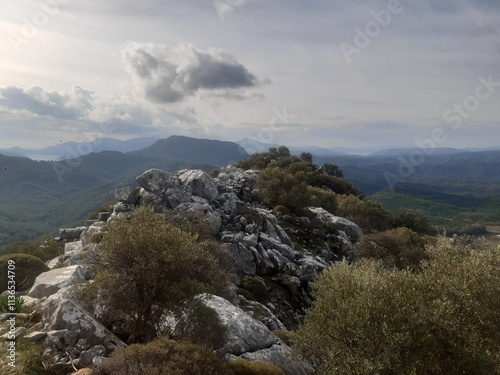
(279, 187)
(368, 319)
(307, 157)
(146, 267)
(414, 220)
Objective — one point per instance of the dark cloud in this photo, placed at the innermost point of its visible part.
(168, 75)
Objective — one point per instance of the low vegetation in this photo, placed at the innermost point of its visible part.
(444, 319)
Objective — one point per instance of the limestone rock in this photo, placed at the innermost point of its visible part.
(202, 185)
(157, 181)
(50, 282)
(352, 230)
(71, 234)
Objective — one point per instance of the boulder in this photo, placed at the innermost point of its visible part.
(251, 339)
(241, 258)
(50, 282)
(71, 234)
(63, 313)
(202, 185)
(128, 195)
(352, 230)
(87, 357)
(157, 181)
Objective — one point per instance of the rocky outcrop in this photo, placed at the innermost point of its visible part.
(250, 339)
(275, 258)
(50, 282)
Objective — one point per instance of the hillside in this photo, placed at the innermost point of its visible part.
(37, 197)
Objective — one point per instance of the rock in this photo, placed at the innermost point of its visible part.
(157, 182)
(62, 313)
(50, 282)
(128, 195)
(202, 185)
(71, 234)
(87, 357)
(36, 336)
(103, 216)
(244, 334)
(250, 339)
(241, 258)
(91, 231)
(352, 230)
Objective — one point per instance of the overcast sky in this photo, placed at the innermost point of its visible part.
(328, 73)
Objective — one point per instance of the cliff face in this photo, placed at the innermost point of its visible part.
(274, 255)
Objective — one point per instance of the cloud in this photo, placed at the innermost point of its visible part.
(35, 100)
(168, 75)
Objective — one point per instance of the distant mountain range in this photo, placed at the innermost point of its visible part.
(36, 197)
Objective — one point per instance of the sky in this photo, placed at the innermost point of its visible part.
(345, 73)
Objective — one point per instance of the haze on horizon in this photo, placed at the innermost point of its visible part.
(349, 73)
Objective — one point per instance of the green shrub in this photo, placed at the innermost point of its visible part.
(401, 248)
(282, 210)
(246, 367)
(146, 266)
(368, 319)
(45, 249)
(278, 186)
(369, 215)
(27, 268)
(11, 304)
(414, 220)
(322, 198)
(163, 356)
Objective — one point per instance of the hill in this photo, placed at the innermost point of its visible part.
(37, 197)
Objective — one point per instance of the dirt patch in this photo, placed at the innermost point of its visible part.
(493, 229)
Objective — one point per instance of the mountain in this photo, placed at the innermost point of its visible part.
(37, 197)
(66, 150)
(219, 153)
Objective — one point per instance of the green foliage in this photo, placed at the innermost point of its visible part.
(322, 198)
(414, 220)
(295, 182)
(368, 214)
(45, 249)
(246, 367)
(401, 248)
(279, 187)
(368, 319)
(27, 268)
(163, 356)
(12, 304)
(146, 266)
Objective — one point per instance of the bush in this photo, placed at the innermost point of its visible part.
(322, 198)
(45, 249)
(163, 356)
(279, 187)
(400, 248)
(369, 215)
(414, 220)
(245, 367)
(256, 287)
(147, 267)
(27, 268)
(285, 336)
(368, 319)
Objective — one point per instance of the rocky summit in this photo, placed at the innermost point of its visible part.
(275, 256)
